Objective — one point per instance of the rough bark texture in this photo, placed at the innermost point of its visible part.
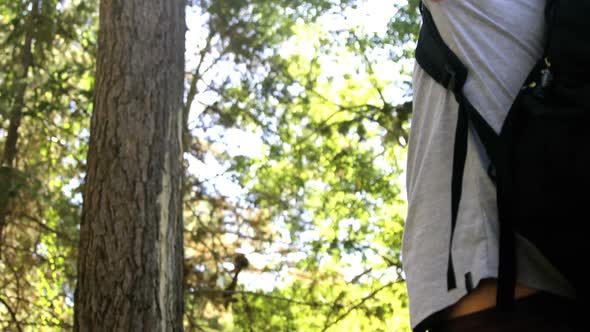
(130, 253)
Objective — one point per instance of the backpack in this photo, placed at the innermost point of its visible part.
(540, 160)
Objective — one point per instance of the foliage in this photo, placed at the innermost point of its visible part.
(319, 205)
(313, 197)
(38, 245)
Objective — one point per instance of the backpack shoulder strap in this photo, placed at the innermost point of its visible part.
(439, 62)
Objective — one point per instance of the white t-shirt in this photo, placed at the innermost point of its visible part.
(498, 41)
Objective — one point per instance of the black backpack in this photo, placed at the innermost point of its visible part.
(540, 161)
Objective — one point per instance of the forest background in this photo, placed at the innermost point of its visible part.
(295, 123)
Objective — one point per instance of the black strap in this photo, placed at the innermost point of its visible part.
(435, 57)
(443, 66)
(549, 19)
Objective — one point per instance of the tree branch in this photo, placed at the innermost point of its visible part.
(272, 297)
(11, 314)
(356, 306)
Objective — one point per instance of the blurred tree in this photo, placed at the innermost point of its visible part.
(46, 61)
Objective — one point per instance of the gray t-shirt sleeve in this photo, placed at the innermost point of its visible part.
(498, 41)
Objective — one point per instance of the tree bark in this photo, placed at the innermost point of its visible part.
(131, 245)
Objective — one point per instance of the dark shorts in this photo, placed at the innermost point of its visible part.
(540, 312)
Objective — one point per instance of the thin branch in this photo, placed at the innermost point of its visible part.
(369, 66)
(196, 76)
(47, 228)
(65, 327)
(357, 277)
(11, 314)
(272, 297)
(356, 306)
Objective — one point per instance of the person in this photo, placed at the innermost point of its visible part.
(498, 41)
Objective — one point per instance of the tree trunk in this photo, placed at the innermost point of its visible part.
(131, 252)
